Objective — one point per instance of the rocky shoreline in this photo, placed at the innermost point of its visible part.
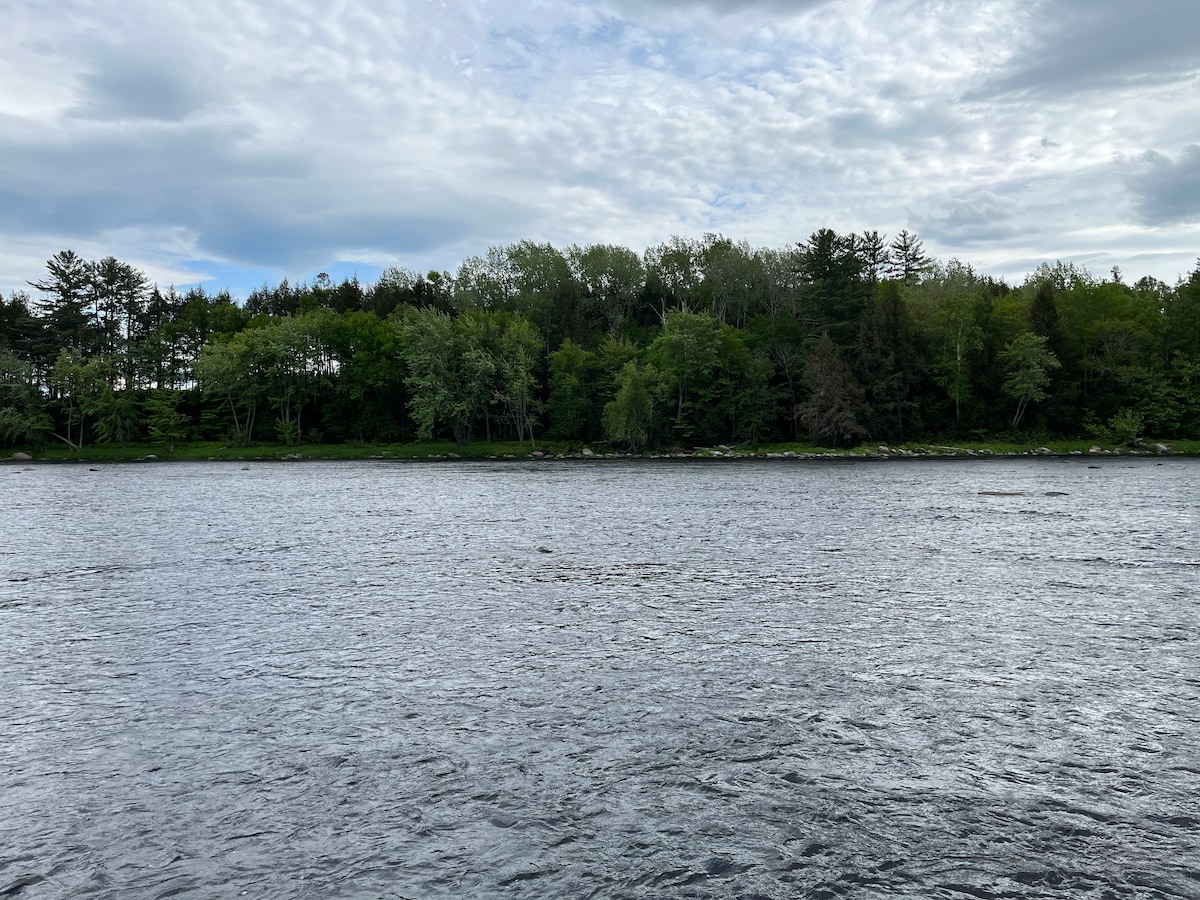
(719, 452)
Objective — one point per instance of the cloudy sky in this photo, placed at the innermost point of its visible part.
(232, 142)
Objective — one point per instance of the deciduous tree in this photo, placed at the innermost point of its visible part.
(1027, 362)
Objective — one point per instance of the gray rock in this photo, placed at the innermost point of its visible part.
(586, 452)
(1162, 448)
(21, 457)
(150, 457)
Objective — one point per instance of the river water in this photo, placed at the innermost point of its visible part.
(601, 679)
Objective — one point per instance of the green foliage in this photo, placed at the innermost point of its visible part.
(629, 418)
(451, 370)
(611, 279)
(518, 353)
(950, 311)
(81, 386)
(686, 355)
(756, 398)
(888, 361)
(835, 289)
(23, 416)
(907, 257)
(695, 342)
(572, 371)
(1027, 362)
(228, 370)
(164, 422)
(1125, 428)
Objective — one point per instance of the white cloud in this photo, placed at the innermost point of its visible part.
(287, 134)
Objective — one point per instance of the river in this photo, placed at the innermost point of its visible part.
(601, 679)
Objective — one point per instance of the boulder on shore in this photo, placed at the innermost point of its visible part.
(21, 457)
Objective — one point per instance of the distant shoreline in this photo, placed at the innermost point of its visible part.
(551, 452)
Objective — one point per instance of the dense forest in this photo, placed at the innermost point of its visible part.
(837, 340)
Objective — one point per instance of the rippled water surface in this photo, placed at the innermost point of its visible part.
(600, 679)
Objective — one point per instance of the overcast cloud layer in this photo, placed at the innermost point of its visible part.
(233, 142)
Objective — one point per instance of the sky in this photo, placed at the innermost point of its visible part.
(232, 143)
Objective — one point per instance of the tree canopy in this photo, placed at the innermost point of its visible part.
(837, 338)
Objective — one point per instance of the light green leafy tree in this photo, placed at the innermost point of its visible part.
(572, 372)
(118, 420)
(165, 423)
(629, 417)
(1027, 363)
(23, 414)
(949, 310)
(80, 385)
(611, 279)
(518, 355)
(450, 372)
(228, 370)
(686, 353)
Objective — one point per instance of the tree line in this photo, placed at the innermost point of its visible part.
(835, 340)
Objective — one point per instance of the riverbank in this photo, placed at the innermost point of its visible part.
(511, 450)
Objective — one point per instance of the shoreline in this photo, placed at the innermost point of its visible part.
(505, 452)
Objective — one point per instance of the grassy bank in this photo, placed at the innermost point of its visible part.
(448, 450)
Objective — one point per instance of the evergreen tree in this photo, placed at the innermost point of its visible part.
(835, 400)
(908, 258)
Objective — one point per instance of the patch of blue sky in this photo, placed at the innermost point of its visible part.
(215, 277)
(611, 34)
(241, 281)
